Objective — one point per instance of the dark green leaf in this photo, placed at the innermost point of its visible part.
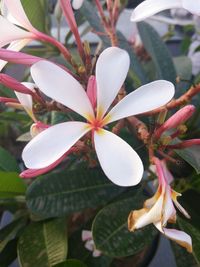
(110, 231)
(183, 258)
(158, 52)
(71, 263)
(10, 231)
(43, 244)
(11, 185)
(191, 155)
(194, 232)
(70, 191)
(7, 161)
(9, 254)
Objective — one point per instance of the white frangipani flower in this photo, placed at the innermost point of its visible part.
(149, 8)
(119, 161)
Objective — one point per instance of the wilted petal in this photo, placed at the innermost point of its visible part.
(9, 32)
(16, 13)
(62, 87)
(150, 216)
(51, 144)
(151, 7)
(15, 46)
(119, 161)
(192, 6)
(77, 3)
(179, 237)
(111, 70)
(178, 205)
(146, 98)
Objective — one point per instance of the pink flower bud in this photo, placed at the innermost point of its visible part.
(175, 120)
(92, 91)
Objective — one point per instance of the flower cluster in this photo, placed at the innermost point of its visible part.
(94, 92)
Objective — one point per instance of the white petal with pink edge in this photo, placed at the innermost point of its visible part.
(151, 7)
(111, 70)
(119, 161)
(77, 3)
(15, 46)
(192, 6)
(146, 98)
(14, 10)
(9, 32)
(62, 87)
(51, 144)
(179, 237)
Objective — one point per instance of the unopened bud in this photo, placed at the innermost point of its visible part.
(176, 120)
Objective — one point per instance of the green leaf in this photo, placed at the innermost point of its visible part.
(191, 155)
(10, 231)
(9, 254)
(70, 191)
(36, 11)
(11, 185)
(88, 11)
(71, 263)
(110, 231)
(158, 52)
(43, 244)
(183, 258)
(194, 232)
(7, 161)
(183, 67)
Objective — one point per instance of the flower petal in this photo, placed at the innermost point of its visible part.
(111, 70)
(151, 7)
(26, 100)
(86, 235)
(179, 237)
(77, 3)
(16, 14)
(52, 143)
(146, 98)
(192, 6)
(169, 212)
(150, 216)
(15, 46)
(119, 161)
(62, 87)
(9, 32)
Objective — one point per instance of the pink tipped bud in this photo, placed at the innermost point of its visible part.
(92, 91)
(37, 128)
(30, 173)
(185, 144)
(18, 57)
(69, 15)
(175, 120)
(8, 100)
(13, 84)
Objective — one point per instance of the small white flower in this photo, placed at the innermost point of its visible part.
(89, 243)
